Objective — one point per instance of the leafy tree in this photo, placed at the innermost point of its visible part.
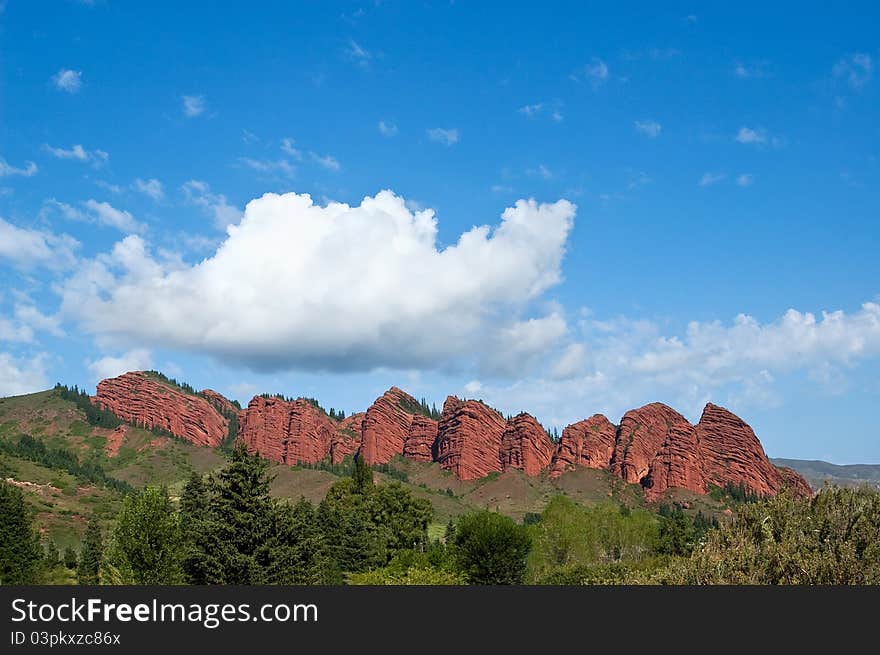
(491, 548)
(20, 551)
(677, 533)
(833, 538)
(91, 555)
(145, 548)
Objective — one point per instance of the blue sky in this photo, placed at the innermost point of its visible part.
(705, 181)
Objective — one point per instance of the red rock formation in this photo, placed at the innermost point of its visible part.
(732, 454)
(114, 440)
(469, 438)
(140, 398)
(641, 435)
(347, 439)
(793, 480)
(286, 431)
(223, 404)
(525, 445)
(421, 439)
(386, 426)
(678, 464)
(588, 443)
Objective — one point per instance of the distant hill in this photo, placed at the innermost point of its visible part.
(818, 472)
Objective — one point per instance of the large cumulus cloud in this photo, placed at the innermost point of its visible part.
(334, 287)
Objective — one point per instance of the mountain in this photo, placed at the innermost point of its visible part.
(76, 456)
(818, 472)
(653, 446)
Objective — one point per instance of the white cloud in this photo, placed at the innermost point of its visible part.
(303, 306)
(501, 188)
(473, 387)
(541, 171)
(6, 170)
(746, 71)
(327, 161)
(27, 314)
(77, 152)
(68, 80)
(287, 147)
(19, 375)
(708, 179)
(751, 136)
(552, 110)
(26, 248)
(152, 188)
(387, 129)
(442, 135)
(138, 359)
(596, 73)
(745, 179)
(270, 167)
(857, 69)
(112, 188)
(649, 128)
(517, 347)
(102, 213)
(193, 106)
(622, 363)
(531, 110)
(199, 193)
(358, 54)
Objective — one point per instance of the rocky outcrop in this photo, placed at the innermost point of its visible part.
(386, 426)
(421, 439)
(145, 400)
(525, 445)
(654, 446)
(469, 439)
(794, 481)
(115, 439)
(219, 401)
(286, 431)
(588, 443)
(733, 455)
(347, 439)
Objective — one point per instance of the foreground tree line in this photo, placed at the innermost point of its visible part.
(226, 529)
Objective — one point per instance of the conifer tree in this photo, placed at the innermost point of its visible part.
(91, 555)
(20, 552)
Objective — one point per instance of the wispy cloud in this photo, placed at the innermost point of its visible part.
(152, 188)
(269, 166)
(7, 170)
(550, 109)
(857, 69)
(596, 73)
(708, 179)
(78, 153)
(69, 81)
(199, 193)
(107, 186)
(326, 161)
(649, 128)
(358, 54)
(749, 135)
(745, 179)
(540, 171)
(501, 188)
(102, 213)
(193, 105)
(288, 148)
(752, 70)
(446, 136)
(388, 128)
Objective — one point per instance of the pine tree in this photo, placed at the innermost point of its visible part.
(70, 558)
(362, 475)
(53, 558)
(91, 555)
(20, 551)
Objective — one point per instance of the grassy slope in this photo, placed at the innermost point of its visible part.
(144, 458)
